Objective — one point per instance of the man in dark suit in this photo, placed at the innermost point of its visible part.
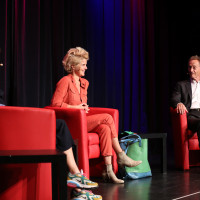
(186, 96)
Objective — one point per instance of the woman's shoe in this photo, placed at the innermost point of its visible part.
(80, 181)
(109, 175)
(124, 160)
(84, 195)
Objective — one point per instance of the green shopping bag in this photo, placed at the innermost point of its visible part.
(136, 148)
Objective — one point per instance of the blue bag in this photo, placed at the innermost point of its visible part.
(136, 148)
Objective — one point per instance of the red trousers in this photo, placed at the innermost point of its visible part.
(103, 124)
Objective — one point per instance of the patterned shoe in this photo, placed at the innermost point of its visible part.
(80, 181)
(85, 195)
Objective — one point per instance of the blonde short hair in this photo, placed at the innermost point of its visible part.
(73, 58)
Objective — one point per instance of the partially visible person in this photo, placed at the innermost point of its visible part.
(75, 179)
(1, 98)
(64, 142)
(71, 92)
(186, 96)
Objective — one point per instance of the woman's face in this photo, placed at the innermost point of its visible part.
(79, 70)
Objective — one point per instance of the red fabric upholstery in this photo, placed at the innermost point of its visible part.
(23, 128)
(93, 144)
(186, 144)
(88, 143)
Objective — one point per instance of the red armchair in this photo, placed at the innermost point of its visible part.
(23, 128)
(89, 158)
(186, 144)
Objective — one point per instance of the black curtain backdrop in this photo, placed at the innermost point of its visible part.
(138, 50)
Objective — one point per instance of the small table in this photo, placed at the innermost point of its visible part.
(163, 152)
(58, 166)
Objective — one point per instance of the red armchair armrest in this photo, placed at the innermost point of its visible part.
(179, 129)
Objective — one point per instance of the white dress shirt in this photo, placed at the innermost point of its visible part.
(195, 94)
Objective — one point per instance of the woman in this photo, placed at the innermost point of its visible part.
(71, 92)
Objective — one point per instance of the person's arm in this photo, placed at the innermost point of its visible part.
(60, 94)
(176, 100)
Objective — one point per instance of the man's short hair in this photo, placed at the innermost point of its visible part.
(196, 57)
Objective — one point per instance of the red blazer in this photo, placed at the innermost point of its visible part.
(67, 93)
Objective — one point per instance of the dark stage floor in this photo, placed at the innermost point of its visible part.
(174, 185)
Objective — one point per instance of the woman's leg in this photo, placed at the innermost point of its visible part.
(116, 146)
(105, 138)
(93, 121)
(64, 139)
(106, 123)
(107, 160)
(105, 141)
(71, 163)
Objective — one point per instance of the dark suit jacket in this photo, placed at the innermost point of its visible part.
(182, 93)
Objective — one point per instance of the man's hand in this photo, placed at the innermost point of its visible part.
(181, 108)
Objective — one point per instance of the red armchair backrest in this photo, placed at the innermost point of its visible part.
(23, 128)
(27, 128)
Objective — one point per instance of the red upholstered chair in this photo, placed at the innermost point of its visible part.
(186, 144)
(23, 128)
(89, 158)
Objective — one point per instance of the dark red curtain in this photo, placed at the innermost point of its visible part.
(138, 50)
(37, 34)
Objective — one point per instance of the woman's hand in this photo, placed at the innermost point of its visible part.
(83, 106)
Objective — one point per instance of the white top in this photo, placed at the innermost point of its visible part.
(195, 94)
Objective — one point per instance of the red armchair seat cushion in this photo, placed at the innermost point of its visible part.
(193, 143)
(93, 143)
(93, 139)
(192, 135)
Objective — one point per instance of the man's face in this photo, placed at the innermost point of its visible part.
(194, 69)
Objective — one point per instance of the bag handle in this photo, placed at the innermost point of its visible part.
(131, 138)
